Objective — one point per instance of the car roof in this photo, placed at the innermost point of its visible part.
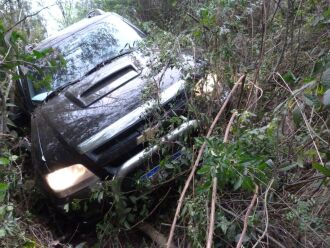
(80, 25)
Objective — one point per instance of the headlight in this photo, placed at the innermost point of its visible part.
(69, 180)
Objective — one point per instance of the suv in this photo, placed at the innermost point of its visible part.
(92, 123)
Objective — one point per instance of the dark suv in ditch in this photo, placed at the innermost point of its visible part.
(92, 123)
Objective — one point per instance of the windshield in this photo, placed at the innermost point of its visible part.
(86, 49)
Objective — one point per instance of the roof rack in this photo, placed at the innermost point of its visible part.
(95, 12)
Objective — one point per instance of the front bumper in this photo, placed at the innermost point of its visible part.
(137, 160)
(133, 163)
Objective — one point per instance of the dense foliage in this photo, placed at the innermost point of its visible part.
(278, 146)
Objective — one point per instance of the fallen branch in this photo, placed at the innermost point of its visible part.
(156, 236)
(246, 218)
(214, 188)
(212, 216)
(199, 156)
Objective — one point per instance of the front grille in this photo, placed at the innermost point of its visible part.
(113, 150)
(119, 149)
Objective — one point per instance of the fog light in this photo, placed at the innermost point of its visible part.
(70, 179)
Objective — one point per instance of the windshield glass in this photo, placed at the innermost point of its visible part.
(87, 48)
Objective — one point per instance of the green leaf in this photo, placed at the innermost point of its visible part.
(10, 208)
(4, 161)
(311, 100)
(324, 170)
(289, 77)
(288, 167)
(66, 207)
(2, 28)
(29, 244)
(15, 36)
(325, 81)
(133, 199)
(326, 13)
(2, 211)
(10, 105)
(2, 233)
(204, 187)
(100, 196)
(296, 116)
(224, 224)
(13, 157)
(3, 190)
(246, 238)
(169, 166)
(326, 98)
(248, 184)
(81, 245)
(38, 55)
(131, 218)
(204, 170)
(238, 183)
(318, 67)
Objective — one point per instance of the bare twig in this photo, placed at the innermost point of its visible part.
(261, 56)
(256, 228)
(214, 188)
(230, 123)
(26, 17)
(7, 53)
(212, 216)
(199, 156)
(240, 95)
(274, 14)
(309, 128)
(285, 39)
(246, 218)
(266, 213)
(152, 211)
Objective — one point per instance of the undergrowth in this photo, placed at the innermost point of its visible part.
(278, 143)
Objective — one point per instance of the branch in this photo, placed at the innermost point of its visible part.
(199, 156)
(266, 213)
(309, 128)
(212, 216)
(256, 228)
(230, 123)
(26, 17)
(214, 188)
(151, 212)
(261, 56)
(246, 218)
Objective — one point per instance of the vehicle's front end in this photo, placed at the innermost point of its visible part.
(100, 123)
